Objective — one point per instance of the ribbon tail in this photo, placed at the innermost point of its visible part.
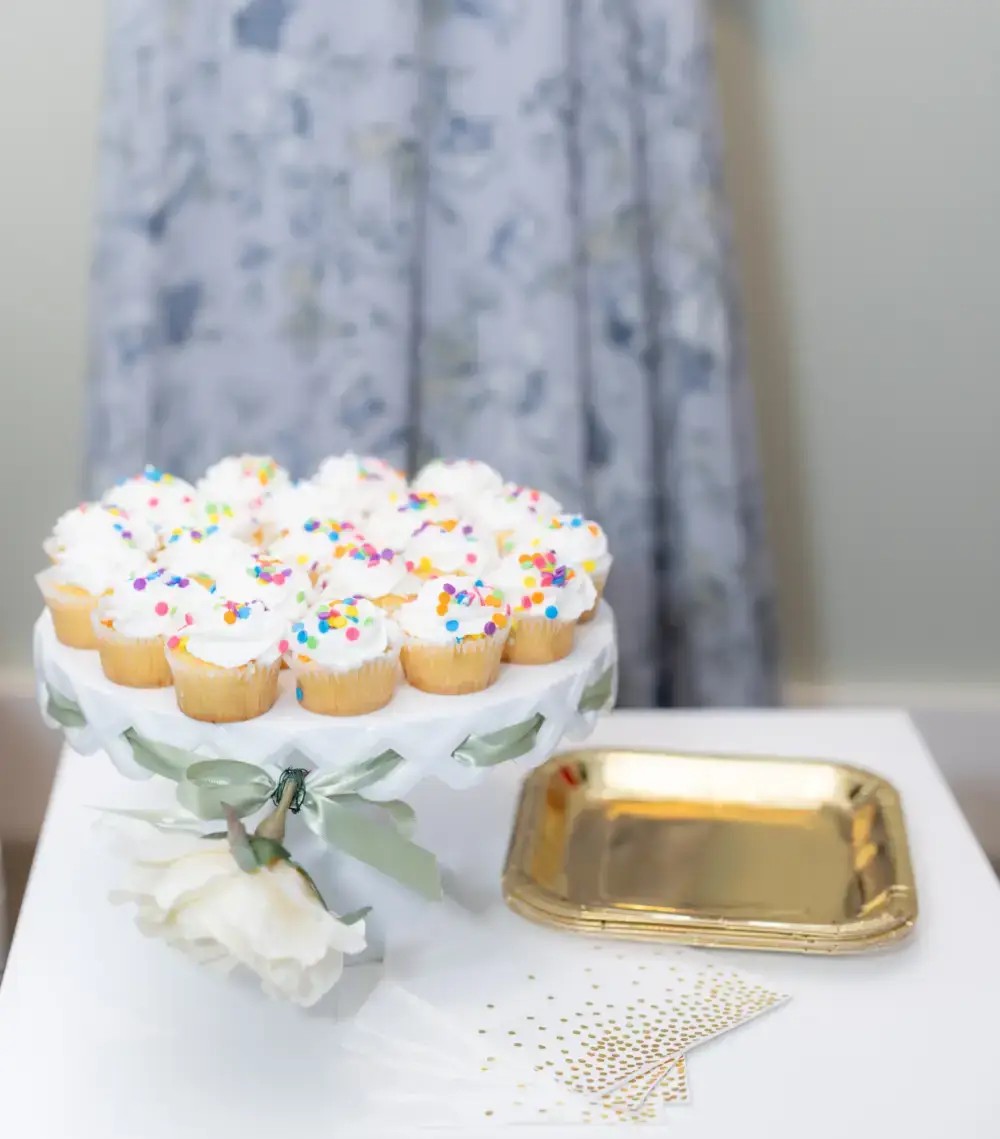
(382, 847)
(65, 712)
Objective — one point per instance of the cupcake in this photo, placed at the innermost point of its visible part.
(154, 496)
(395, 525)
(362, 570)
(73, 585)
(359, 484)
(577, 542)
(453, 636)
(547, 600)
(241, 485)
(279, 586)
(202, 553)
(312, 545)
(225, 664)
(450, 546)
(291, 507)
(92, 523)
(513, 509)
(345, 657)
(134, 620)
(468, 481)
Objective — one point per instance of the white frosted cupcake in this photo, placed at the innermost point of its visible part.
(291, 507)
(450, 546)
(225, 664)
(154, 496)
(134, 620)
(94, 524)
(577, 541)
(467, 481)
(362, 570)
(547, 600)
(345, 657)
(396, 524)
(454, 632)
(359, 484)
(312, 546)
(203, 553)
(515, 508)
(283, 588)
(242, 481)
(73, 585)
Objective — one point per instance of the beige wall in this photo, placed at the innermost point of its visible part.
(865, 177)
(50, 53)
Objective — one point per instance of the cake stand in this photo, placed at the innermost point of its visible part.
(358, 766)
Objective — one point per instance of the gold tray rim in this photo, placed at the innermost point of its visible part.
(890, 925)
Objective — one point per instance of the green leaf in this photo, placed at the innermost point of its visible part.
(309, 882)
(355, 916)
(239, 842)
(268, 850)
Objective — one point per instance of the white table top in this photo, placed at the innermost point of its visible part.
(104, 1034)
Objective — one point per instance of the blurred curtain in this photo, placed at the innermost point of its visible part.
(484, 227)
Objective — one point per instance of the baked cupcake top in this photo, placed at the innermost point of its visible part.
(450, 546)
(516, 507)
(234, 633)
(536, 585)
(362, 570)
(92, 523)
(359, 484)
(466, 480)
(242, 481)
(342, 634)
(202, 552)
(452, 610)
(159, 498)
(274, 583)
(95, 568)
(577, 542)
(153, 604)
(396, 524)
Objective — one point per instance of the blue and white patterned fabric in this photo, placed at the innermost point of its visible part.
(483, 227)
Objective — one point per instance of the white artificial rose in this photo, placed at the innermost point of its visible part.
(189, 891)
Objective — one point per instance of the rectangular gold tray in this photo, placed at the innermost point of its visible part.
(742, 852)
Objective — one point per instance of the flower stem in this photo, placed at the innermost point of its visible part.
(274, 825)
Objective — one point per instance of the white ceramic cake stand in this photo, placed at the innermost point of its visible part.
(430, 734)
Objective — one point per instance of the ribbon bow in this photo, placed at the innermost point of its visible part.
(329, 803)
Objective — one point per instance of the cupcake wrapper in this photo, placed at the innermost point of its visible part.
(223, 695)
(72, 614)
(135, 662)
(453, 669)
(599, 583)
(354, 692)
(537, 640)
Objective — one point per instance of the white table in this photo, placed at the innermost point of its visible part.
(104, 1035)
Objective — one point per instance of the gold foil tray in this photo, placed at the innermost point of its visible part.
(732, 851)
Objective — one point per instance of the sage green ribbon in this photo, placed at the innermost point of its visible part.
(330, 805)
(597, 696)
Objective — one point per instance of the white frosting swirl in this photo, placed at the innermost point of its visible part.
(313, 545)
(516, 507)
(449, 610)
(577, 542)
(536, 585)
(361, 570)
(396, 524)
(359, 484)
(465, 480)
(95, 568)
(451, 546)
(342, 634)
(161, 499)
(242, 481)
(232, 633)
(201, 552)
(291, 507)
(153, 604)
(275, 584)
(93, 523)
